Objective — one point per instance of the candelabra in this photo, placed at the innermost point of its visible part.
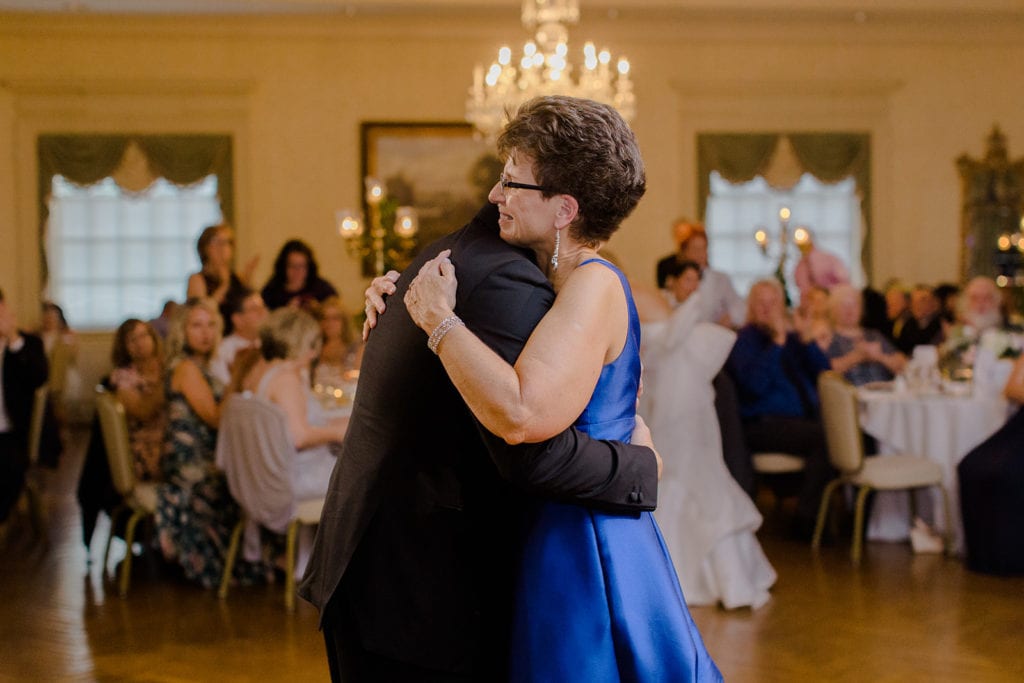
(782, 244)
(392, 235)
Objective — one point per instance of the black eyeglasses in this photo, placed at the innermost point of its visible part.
(506, 184)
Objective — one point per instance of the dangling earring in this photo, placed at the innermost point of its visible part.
(554, 256)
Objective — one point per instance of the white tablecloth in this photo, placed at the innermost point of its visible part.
(939, 426)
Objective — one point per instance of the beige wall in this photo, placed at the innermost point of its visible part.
(293, 91)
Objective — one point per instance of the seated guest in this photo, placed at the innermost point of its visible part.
(861, 355)
(217, 279)
(719, 302)
(982, 334)
(948, 296)
(991, 490)
(296, 279)
(61, 347)
(289, 341)
(681, 282)
(138, 382)
(195, 513)
(707, 520)
(897, 308)
(23, 369)
(247, 312)
(775, 369)
(815, 304)
(924, 326)
(54, 328)
(681, 230)
(342, 349)
(874, 317)
(981, 305)
(818, 268)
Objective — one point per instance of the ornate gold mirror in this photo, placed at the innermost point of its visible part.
(992, 227)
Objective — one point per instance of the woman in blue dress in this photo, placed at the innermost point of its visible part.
(598, 598)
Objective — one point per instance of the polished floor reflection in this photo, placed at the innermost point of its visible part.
(899, 617)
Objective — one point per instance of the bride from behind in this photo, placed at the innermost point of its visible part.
(707, 520)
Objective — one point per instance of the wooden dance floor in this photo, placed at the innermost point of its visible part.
(899, 617)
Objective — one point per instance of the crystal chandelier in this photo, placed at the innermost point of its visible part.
(544, 69)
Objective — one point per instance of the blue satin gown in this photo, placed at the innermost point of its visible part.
(598, 598)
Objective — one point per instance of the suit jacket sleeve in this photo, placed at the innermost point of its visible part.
(25, 370)
(502, 310)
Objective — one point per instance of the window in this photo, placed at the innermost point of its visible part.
(113, 255)
(735, 211)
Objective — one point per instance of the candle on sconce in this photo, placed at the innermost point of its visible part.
(761, 237)
(784, 214)
(406, 222)
(374, 191)
(801, 236)
(349, 225)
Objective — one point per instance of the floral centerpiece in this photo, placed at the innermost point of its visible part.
(1003, 344)
(959, 353)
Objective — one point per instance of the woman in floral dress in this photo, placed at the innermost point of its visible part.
(195, 512)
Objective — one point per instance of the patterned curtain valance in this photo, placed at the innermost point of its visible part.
(86, 159)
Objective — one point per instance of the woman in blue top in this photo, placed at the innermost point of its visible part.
(598, 598)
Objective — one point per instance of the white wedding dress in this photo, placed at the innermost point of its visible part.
(707, 520)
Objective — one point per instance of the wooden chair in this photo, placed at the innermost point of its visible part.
(138, 498)
(33, 483)
(839, 412)
(257, 456)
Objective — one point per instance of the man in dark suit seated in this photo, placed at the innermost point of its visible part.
(924, 326)
(776, 367)
(23, 369)
(415, 557)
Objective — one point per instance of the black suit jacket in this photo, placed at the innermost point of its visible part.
(914, 334)
(419, 537)
(25, 371)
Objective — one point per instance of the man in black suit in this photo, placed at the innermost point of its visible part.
(924, 324)
(417, 548)
(23, 369)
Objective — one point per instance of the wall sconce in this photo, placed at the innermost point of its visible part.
(392, 234)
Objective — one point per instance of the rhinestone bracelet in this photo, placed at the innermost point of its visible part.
(441, 330)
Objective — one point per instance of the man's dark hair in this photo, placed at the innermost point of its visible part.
(677, 267)
(233, 304)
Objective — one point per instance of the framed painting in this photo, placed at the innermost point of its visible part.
(439, 169)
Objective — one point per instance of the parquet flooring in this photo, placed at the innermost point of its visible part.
(899, 617)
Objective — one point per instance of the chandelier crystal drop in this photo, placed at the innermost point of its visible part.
(544, 69)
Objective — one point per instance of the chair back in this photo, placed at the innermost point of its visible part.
(256, 453)
(840, 419)
(114, 427)
(35, 425)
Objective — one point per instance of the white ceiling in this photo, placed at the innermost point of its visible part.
(610, 7)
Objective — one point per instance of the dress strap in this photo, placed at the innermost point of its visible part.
(261, 388)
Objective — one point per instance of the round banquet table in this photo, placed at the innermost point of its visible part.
(940, 426)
